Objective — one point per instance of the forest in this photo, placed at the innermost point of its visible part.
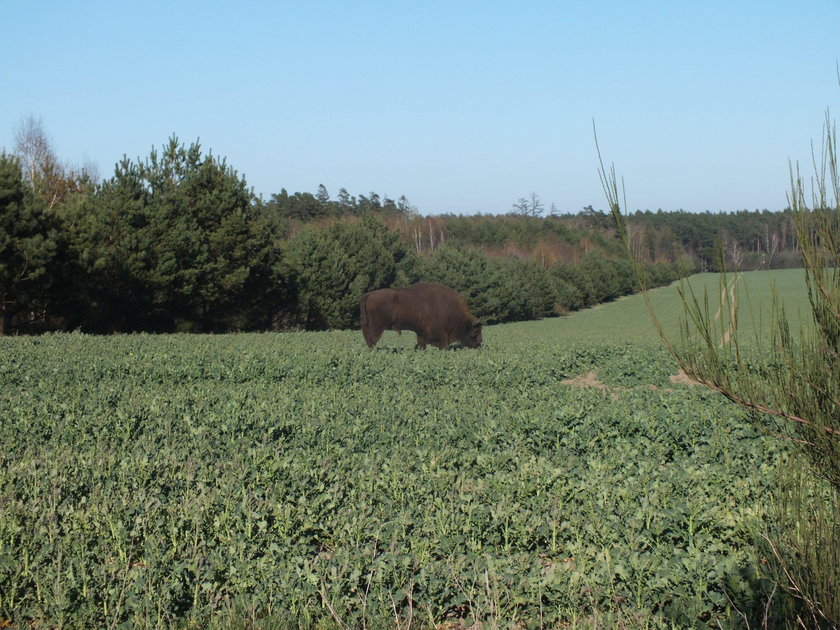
(178, 242)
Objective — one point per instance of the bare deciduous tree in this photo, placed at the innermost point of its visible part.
(34, 150)
(42, 170)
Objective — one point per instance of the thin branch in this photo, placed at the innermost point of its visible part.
(323, 593)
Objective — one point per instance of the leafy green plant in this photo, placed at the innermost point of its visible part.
(300, 479)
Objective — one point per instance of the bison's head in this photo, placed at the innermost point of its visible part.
(472, 335)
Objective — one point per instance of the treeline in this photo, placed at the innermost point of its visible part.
(178, 242)
(744, 240)
(308, 207)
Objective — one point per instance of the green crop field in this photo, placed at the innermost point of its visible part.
(556, 477)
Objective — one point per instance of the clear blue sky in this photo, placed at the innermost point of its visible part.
(461, 106)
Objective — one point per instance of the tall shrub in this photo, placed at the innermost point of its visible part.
(791, 383)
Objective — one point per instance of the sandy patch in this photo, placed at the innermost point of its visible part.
(681, 378)
(586, 380)
(590, 379)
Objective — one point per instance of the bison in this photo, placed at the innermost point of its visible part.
(439, 315)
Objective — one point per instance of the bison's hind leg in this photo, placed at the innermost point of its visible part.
(372, 335)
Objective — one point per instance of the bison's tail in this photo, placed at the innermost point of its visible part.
(363, 315)
(364, 320)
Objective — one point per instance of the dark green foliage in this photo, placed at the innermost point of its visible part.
(300, 206)
(603, 277)
(659, 274)
(466, 271)
(568, 296)
(173, 243)
(332, 268)
(306, 207)
(582, 289)
(27, 248)
(112, 237)
(762, 239)
(535, 289)
(497, 289)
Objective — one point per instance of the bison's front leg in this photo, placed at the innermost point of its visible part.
(421, 343)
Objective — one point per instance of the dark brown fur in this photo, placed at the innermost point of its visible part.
(439, 315)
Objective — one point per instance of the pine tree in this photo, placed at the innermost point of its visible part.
(177, 242)
(27, 247)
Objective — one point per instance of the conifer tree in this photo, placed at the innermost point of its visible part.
(331, 269)
(27, 246)
(176, 242)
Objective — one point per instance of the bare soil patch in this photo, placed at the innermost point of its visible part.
(681, 378)
(590, 379)
(587, 380)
